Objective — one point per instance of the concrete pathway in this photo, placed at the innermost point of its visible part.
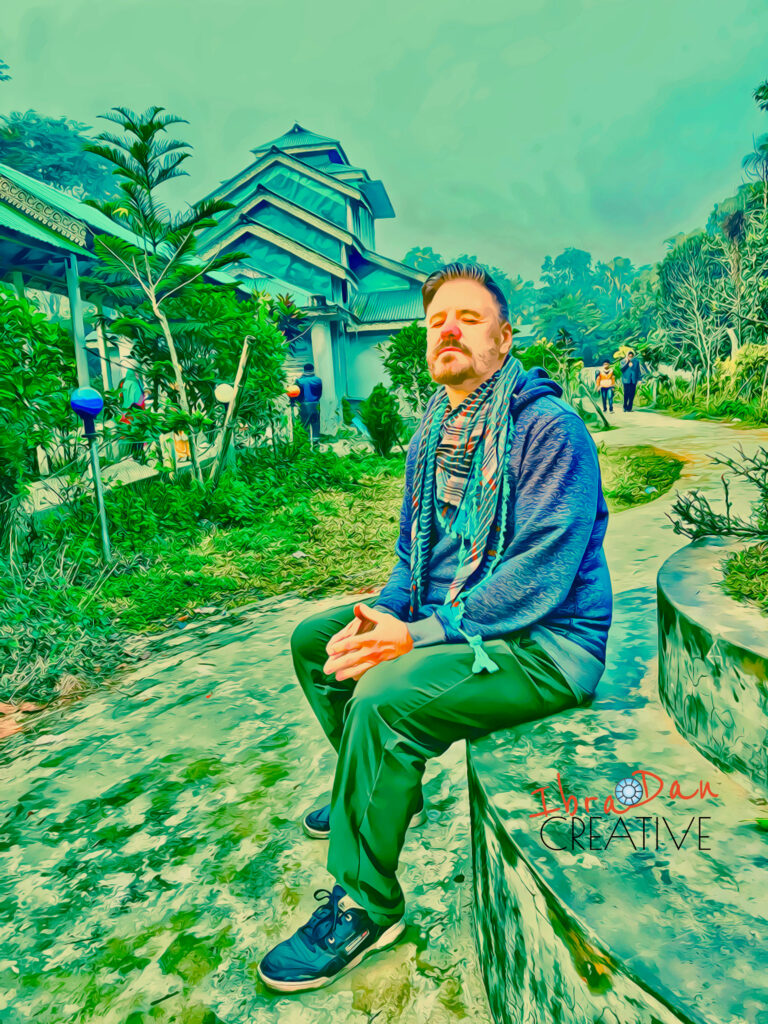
(150, 849)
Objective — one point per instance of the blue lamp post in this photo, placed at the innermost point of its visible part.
(88, 403)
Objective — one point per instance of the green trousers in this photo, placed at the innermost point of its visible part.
(386, 726)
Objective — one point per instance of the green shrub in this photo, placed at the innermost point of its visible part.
(382, 419)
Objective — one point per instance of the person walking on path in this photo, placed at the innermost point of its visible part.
(631, 375)
(496, 613)
(309, 401)
(605, 382)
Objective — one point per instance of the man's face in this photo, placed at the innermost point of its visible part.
(466, 341)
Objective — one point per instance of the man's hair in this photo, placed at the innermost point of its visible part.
(309, 367)
(630, 352)
(463, 272)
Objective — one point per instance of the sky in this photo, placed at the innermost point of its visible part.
(508, 130)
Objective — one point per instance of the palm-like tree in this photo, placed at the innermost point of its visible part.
(158, 259)
(756, 165)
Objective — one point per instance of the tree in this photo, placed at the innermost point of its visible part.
(569, 315)
(37, 369)
(4, 77)
(756, 165)
(756, 162)
(424, 258)
(405, 360)
(692, 310)
(53, 151)
(162, 262)
(734, 230)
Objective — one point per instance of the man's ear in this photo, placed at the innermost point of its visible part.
(506, 337)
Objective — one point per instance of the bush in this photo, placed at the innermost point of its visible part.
(382, 419)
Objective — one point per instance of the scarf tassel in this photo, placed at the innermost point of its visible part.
(482, 658)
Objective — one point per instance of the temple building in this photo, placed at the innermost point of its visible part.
(306, 219)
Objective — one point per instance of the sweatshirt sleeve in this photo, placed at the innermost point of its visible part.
(556, 505)
(396, 595)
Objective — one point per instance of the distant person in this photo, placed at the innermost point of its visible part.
(605, 382)
(631, 375)
(309, 401)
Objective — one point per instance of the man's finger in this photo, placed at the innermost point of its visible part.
(341, 661)
(354, 643)
(362, 669)
(350, 629)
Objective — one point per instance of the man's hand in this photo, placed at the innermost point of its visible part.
(370, 638)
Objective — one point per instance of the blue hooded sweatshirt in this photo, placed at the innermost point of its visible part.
(553, 580)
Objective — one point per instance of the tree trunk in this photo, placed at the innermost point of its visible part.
(232, 410)
(181, 386)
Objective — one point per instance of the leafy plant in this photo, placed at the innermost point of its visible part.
(405, 360)
(382, 419)
(37, 369)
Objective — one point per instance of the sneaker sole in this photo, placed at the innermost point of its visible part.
(419, 818)
(386, 939)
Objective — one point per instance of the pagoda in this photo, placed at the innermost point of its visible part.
(306, 219)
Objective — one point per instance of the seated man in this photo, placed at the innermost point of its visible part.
(496, 613)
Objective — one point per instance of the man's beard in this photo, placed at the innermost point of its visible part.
(452, 377)
(454, 373)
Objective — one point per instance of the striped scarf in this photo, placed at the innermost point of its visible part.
(461, 469)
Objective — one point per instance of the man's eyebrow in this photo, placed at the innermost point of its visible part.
(439, 312)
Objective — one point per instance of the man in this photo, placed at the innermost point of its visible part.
(309, 401)
(631, 375)
(496, 613)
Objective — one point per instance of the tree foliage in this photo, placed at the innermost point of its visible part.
(382, 419)
(37, 371)
(53, 150)
(405, 360)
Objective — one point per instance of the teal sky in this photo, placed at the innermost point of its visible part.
(508, 130)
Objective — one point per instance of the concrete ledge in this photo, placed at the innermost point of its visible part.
(713, 660)
(620, 932)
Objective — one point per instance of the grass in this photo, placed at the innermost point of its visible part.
(315, 524)
(746, 575)
(628, 471)
(678, 403)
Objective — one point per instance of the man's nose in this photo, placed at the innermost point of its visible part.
(450, 329)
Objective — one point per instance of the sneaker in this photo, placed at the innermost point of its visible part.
(317, 824)
(336, 938)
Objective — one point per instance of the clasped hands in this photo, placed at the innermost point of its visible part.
(371, 637)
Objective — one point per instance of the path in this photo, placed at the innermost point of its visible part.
(150, 850)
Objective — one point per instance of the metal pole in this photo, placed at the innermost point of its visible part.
(76, 316)
(96, 471)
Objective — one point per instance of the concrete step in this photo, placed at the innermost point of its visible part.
(618, 931)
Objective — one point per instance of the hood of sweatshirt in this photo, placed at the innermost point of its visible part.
(535, 383)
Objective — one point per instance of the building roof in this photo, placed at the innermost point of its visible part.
(400, 304)
(298, 136)
(328, 167)
(67, 204)
(17, 222)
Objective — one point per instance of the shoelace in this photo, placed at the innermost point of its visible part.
(325, 919)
